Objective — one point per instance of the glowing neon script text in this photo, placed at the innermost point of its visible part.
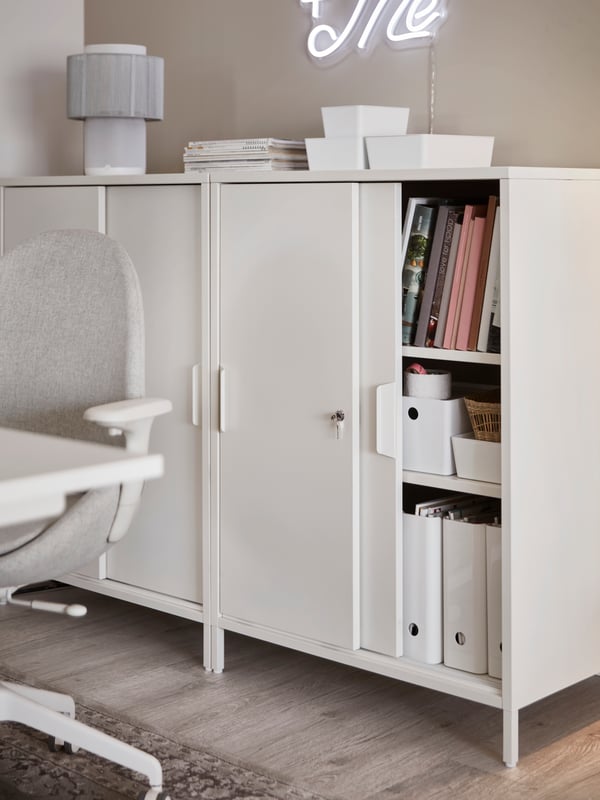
(412, 20)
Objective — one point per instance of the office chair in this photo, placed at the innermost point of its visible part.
(72, 364)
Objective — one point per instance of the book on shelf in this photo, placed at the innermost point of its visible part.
(470, 283)
(489, 330)
(419, 227)
(490, 297)
(447, 288)
(459, 277)
(490, 220)
(456, 276)
(436, 273)
(493, 345)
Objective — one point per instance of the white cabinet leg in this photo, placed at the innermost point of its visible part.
(218, 649)
(207, 646)
(510, 737)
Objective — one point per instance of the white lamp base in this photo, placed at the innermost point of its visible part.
(114, 146)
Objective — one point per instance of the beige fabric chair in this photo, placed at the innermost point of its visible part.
(72, 364)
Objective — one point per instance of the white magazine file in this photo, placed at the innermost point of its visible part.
(493, 535)
(422, 588)
(465, 596)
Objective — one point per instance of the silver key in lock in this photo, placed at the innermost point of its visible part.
(338, 418)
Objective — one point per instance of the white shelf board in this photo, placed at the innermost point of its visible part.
(466, 356)
(479, 688)
(137, 595)
(453, 483)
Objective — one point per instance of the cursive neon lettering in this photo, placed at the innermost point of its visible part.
(362, 42)
(414, 30)
(337, 39)
(412, 20)
(315, 7)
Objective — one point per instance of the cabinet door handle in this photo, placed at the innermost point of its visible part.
(221, 399)
(386, 419)
(195, 395)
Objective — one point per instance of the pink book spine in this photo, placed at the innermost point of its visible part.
(456, 279)
(472, 270)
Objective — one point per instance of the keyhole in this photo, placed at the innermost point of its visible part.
(413, 413)
(413, 629)
(460, 638)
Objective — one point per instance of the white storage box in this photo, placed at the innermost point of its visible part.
(477, 460)
(435, 383)
(427, 428)
(429, 150)
(364, 120)
(347, 152)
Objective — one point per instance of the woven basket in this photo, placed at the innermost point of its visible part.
(484, 413)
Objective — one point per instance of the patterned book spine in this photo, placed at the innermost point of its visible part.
(436, 303)
(414, 268)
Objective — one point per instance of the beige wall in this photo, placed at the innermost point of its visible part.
(525, 71)
(36, 138)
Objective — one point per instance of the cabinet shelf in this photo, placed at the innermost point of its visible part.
(479, 688)
(453, 483)
(465, 356)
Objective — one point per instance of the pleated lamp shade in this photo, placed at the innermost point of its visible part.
(115, 88)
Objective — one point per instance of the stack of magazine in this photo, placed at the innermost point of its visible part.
(245, 154)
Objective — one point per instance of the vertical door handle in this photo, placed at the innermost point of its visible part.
(196, 395)
(222, 399)
(385, 402)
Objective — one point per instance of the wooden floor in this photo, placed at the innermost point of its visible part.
(332, 729)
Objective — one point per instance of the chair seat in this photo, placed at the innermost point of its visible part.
(14, 536)
(46, 549)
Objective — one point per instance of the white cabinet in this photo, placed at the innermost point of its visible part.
(164, 229)
(284, 549)
(271, 305)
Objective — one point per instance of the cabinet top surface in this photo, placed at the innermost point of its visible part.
(308, 176)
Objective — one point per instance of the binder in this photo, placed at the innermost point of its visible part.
(465, 595)
(422, 588)
(493, 535)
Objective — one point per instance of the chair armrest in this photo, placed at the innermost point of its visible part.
(133, 418)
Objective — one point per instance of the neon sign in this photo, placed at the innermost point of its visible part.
(412, 22)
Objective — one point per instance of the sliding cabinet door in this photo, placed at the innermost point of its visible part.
(29, 210)
(161, 229)
(288, 373)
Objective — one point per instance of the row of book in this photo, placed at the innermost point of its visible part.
(451, 274)
(452, 562)
(245, 154)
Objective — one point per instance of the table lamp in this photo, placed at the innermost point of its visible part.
(114, 89)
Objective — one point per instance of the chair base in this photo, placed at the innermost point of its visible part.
(53, 713)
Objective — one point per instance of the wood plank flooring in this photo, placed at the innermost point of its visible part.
(332, 729)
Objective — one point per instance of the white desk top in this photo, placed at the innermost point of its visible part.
(38, 471)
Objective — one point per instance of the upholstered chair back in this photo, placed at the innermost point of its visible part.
(71, 332)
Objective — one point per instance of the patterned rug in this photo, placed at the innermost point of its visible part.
(29, 770)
